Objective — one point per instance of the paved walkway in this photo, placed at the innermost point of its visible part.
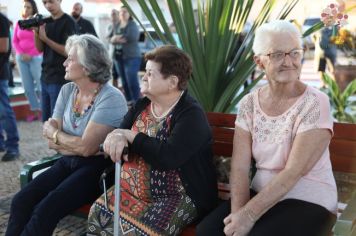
(32, 147)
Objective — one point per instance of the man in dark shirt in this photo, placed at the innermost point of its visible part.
(84, 26)
(7, 116)
(50, 39)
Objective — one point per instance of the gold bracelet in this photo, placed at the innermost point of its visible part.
(55, 136)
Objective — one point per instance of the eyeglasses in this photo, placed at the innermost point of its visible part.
(295, 54)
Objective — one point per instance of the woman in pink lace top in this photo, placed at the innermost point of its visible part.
(286, 127)
(29, 60)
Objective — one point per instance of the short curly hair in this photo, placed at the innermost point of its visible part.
(174, 61)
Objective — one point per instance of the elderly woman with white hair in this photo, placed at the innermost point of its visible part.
(87, 109)
(286, 127)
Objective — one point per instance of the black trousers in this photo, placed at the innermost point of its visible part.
(290, 217)
(69, 184)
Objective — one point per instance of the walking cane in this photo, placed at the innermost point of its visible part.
(117, 198)
(117, 191)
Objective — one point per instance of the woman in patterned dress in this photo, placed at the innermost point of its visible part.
(168, 179)
(286, 126)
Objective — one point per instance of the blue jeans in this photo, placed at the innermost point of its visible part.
(30, 72)
(49, 97)
(7, 121)
(69, 184)
(128, 70)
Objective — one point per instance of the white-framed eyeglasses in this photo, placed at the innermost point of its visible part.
(295, 54)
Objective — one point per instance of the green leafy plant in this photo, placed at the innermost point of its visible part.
(340, 101)
(213, 36)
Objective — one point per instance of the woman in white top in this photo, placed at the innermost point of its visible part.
(286, 127)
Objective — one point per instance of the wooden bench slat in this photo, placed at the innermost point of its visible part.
(343, 147)
(222, 134)
(221, 119)
(343, 163)
(344, 131)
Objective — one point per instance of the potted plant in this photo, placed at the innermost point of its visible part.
(343, 108)
(345, 70)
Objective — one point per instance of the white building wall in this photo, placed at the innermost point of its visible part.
(12, 8)
(99, 12)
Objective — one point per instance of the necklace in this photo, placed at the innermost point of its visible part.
(166, 112)
(76, 105)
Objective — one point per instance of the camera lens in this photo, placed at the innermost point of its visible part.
(25, 24)
(36, 21)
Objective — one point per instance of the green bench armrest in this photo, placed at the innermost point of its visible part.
(346, 224)
(27, 174)
(27, 171)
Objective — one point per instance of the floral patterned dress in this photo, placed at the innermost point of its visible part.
(153, 201)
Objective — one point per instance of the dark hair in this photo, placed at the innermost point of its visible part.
(130, 18)
(173, 61)
(34, 6)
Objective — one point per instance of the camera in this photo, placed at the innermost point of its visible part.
(36, 21)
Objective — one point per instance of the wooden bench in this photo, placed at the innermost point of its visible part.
(342, 150)
(343, 159)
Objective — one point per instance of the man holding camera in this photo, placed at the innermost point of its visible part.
(50, 39)
(7, 116)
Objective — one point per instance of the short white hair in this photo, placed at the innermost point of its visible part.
(265, 31)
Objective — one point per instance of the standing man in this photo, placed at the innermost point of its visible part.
(84, 26)
(7, 116)
(50, 39)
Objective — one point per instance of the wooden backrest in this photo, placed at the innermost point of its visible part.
(342, 146)
(222, 126)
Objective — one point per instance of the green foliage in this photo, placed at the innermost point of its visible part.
(340, 100)
(314, 28)
(212, 35)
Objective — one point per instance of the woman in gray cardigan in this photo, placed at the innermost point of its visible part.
(127, 54)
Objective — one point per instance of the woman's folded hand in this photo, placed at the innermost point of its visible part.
(49, 127)
(114, 145)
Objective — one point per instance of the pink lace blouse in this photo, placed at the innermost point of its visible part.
(272, 139)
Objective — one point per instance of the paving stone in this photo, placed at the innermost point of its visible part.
(32, 147)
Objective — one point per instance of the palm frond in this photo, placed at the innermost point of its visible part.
(212, 33)
(312, 29)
